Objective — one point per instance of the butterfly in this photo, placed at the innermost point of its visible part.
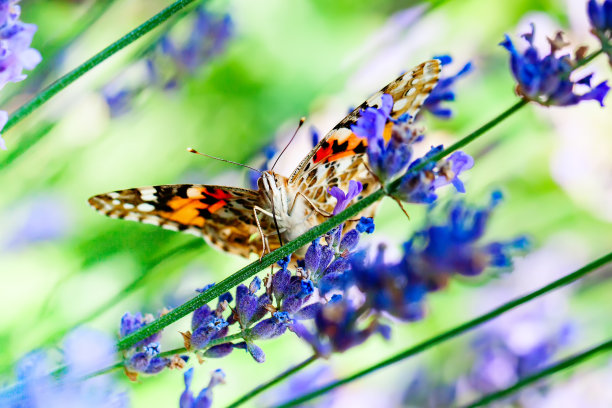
(243, 221)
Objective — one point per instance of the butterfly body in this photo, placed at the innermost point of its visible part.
(243, 221)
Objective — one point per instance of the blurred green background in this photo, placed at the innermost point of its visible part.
(60, 260)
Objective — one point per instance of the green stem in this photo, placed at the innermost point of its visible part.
(455, 331)
(215, 342)
(552, 369)
(304, 239)
(129, 288)
(79, 71)
(282, 376)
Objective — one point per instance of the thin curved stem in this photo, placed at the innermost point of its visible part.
(79, 71)
(282, 376)
(550, 370)
(305, 239)
(455, 331)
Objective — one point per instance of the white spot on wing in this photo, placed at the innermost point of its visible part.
(171, 227)
(148, 194)
(193, 231)
(145, 207)
(150, 220)
(128, 206)
(399, 105)
(132, 217)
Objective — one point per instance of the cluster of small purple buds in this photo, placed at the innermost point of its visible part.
(144, 357)
(546, 79)
(390, 154)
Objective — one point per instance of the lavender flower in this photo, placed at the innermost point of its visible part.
(430, 258)
(85, 351)
(390, 153)
(204, 398)
(143, 356)
(546, 80)
(421, 186)
(171, 61)
(15, 39)
(342, 199)
(134, 322)
(443, 92)
(337, 328)
(600, 16)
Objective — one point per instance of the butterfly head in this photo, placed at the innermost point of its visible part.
(274, 188)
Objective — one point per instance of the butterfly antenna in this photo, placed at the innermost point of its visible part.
(192, 150)
(302, 120)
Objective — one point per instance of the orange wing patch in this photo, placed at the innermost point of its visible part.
(339, 145)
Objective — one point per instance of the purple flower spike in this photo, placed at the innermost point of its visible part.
(343, 199)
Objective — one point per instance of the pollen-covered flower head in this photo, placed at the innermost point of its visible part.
(547, 79)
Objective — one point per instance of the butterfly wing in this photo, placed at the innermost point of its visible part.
(222, 215)
(341, 155)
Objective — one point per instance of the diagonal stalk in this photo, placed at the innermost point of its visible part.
(550, 370)
(282, 376)
(455, 331)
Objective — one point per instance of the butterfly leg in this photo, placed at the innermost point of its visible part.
(314, 207)
(264, 239)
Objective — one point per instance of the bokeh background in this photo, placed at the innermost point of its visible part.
(62, 264)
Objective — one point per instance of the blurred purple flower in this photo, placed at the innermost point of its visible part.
(209, 36)
(443, 91)
(337, 328)
(171, 61)
(204, 398)
(46, 218)
(546, 80)
(15, 39)
(85, 351)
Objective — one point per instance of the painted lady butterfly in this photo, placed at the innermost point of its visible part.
(241, 221)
